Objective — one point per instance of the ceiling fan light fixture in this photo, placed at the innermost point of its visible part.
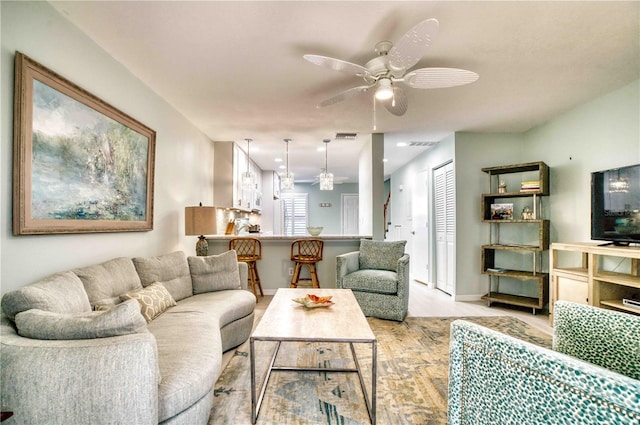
(286, 180)
(384, 90)
(247, 178)
(326, 178)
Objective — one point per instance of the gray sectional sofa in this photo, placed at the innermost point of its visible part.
(128, 341)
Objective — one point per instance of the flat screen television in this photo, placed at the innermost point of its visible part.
(615, 205)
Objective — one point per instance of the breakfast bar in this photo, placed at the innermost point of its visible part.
(276, 268)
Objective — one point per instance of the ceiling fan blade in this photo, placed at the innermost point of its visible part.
(337, 65)
(413, 45)
(398, 104)
(344, 95)
(435, 78)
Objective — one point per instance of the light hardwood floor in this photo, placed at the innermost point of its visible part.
(426, 302)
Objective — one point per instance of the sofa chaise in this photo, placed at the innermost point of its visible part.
(591, 376)
(129, 341)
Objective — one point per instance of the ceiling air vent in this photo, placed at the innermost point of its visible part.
(422, 144)
(346, 136)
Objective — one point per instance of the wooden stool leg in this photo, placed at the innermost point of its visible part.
(314, 275)
(252, 277)
(257, 277)
(296, 276)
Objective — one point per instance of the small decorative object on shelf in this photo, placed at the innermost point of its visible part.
(527, 213)
(501, 211)
(502, 187)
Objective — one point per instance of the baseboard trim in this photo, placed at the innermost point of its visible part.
(467, 298)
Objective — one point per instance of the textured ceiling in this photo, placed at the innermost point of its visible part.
(235, 69)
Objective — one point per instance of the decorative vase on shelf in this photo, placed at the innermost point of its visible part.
(527, 213)
(502, 187)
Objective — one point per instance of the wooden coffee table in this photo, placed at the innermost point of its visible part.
(285, 320)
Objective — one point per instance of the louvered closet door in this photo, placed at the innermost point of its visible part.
(445, 214)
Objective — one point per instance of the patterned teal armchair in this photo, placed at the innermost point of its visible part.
(590, 377)
(378, 275)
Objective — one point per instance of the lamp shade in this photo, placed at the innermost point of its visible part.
(199, 221)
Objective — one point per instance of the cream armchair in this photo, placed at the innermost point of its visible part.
(378, 275)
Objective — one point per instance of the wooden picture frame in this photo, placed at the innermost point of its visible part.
(79, 164)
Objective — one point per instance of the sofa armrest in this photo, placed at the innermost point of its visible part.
(103, 380)
(403, 276)
(495, 379)
(603, 337)
(345, 264)
(243, 268)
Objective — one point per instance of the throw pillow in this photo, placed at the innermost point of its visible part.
(59, 293)
(154, 300)
(123, 319)
(380, 255)
(214, 272)
(171, 270)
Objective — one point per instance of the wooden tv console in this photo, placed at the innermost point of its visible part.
(596, 275)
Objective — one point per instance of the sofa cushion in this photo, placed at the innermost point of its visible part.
(171, 270)
(153, 300)
(380, 255)
(123, 319)
(189, 358)
(59, 293)
(214, 272)
(105, 282)
(377, 281)
(222, 307)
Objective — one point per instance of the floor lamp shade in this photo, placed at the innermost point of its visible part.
(200, 221)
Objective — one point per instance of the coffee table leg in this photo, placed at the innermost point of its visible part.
(374, 373)
(254, 417)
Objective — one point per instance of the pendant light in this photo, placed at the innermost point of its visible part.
(247, 178)
(286, 181)
(326, 178)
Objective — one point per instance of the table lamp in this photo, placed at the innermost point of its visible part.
(200, 221)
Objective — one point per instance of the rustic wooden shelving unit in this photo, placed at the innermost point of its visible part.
(490, 262)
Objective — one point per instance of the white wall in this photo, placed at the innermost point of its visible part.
(328, 217)
(600, 134)
(401, 202)
(184, 156)
(365, 190)
(474, 151)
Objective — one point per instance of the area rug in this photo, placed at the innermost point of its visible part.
(413, 361)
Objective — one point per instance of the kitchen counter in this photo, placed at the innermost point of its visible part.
(276, 267)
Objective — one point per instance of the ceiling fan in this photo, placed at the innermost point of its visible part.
(390, 69)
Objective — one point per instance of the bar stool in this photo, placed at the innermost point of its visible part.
(249, 250)
(306, 252)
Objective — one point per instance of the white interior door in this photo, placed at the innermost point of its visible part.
(350, 213)
(420, 252)
(444, 199)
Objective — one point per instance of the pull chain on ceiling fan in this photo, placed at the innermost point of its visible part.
(387, 72)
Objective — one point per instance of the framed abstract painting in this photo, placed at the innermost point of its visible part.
(79, 164)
